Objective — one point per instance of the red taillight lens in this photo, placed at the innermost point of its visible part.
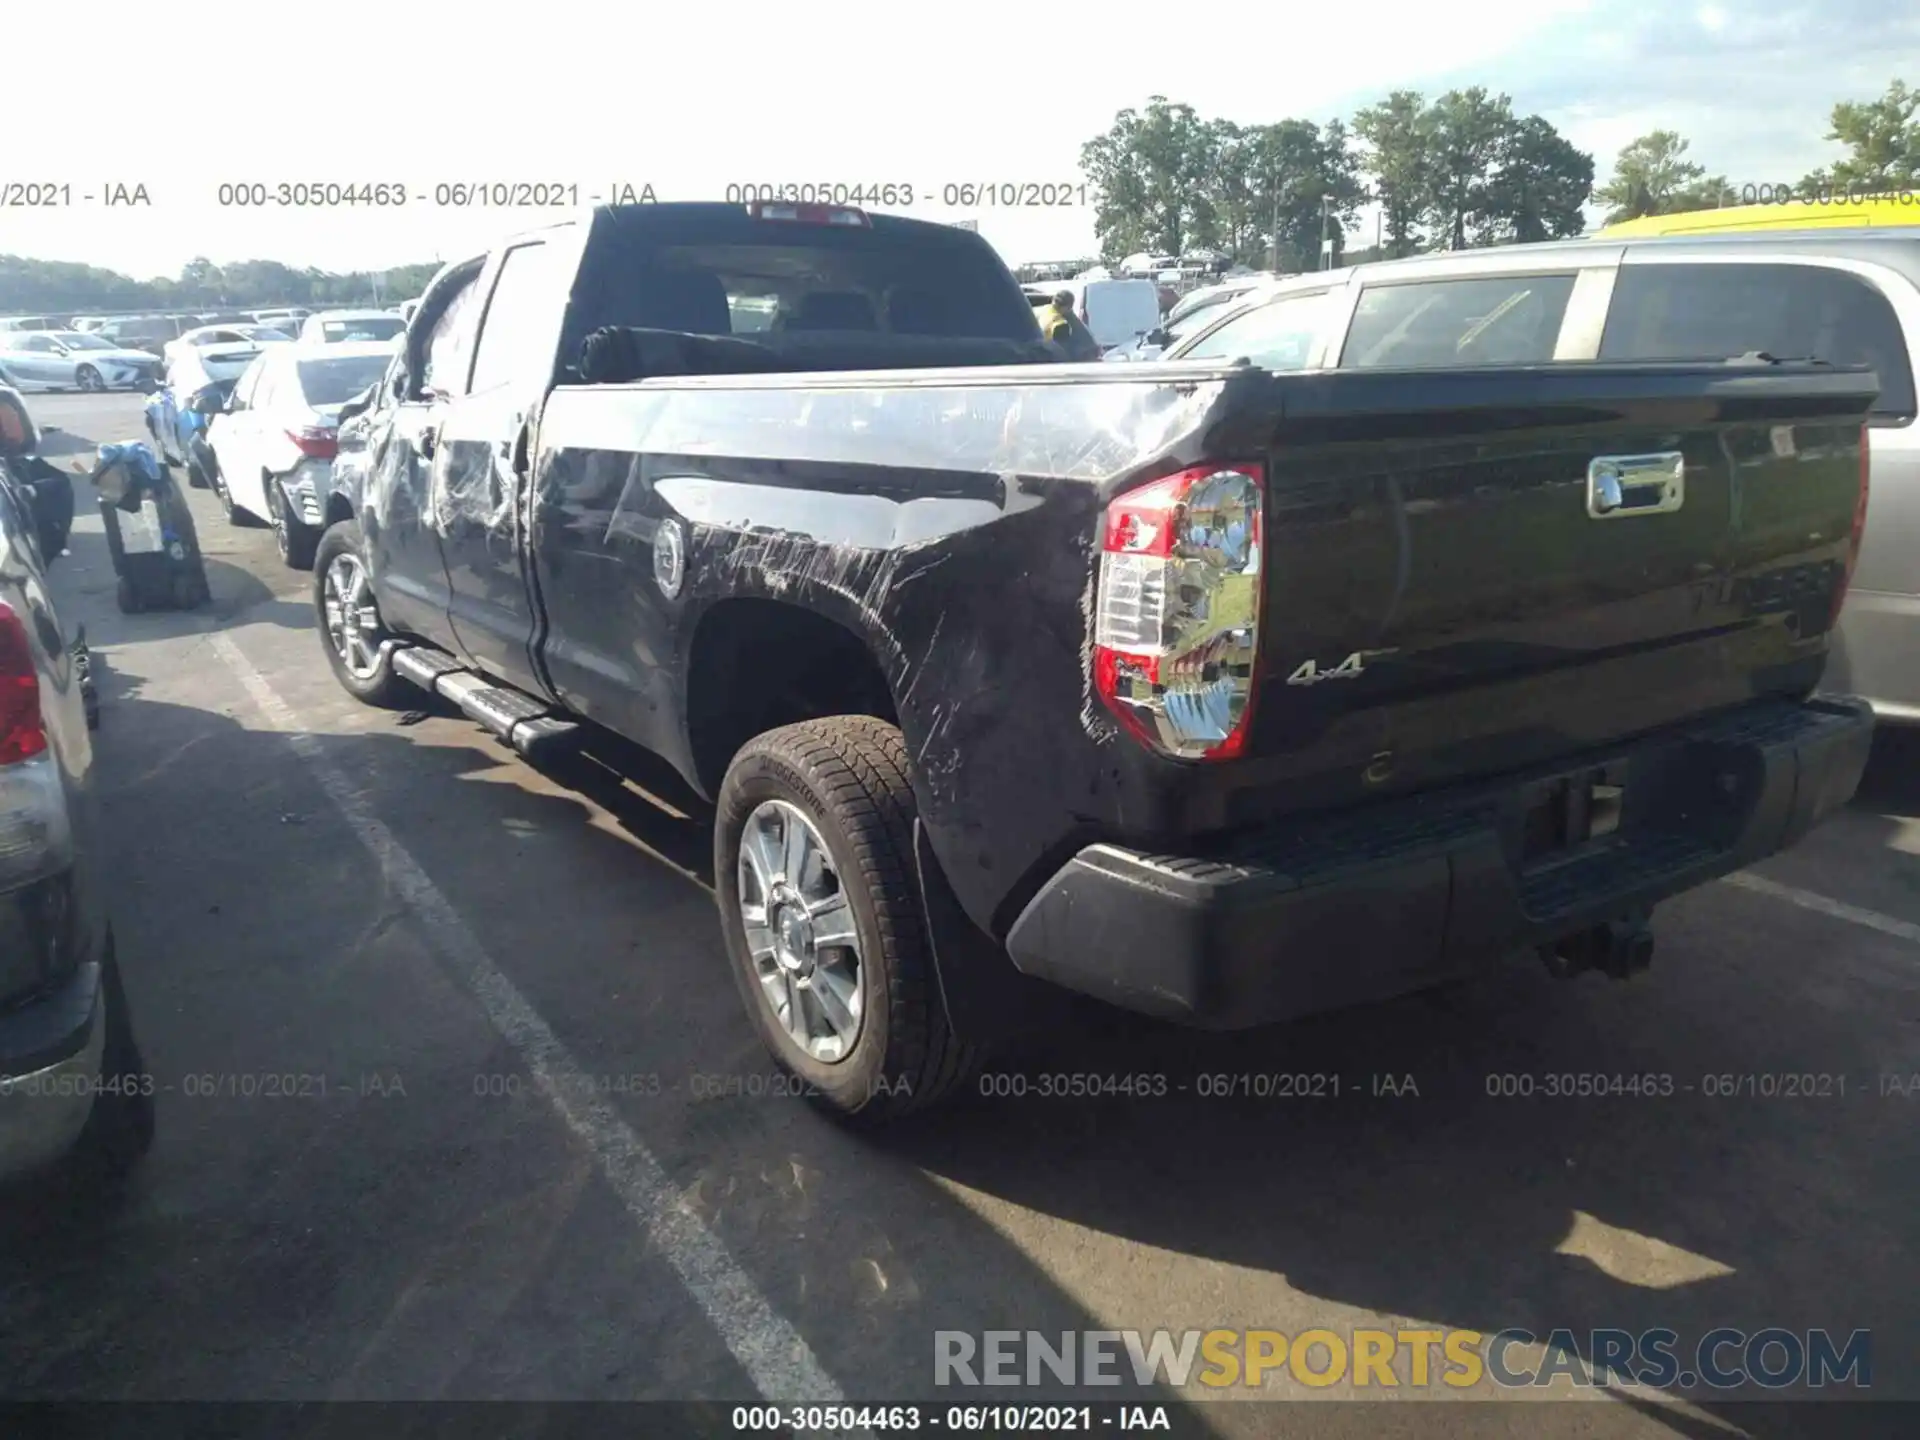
(1859, 528)
(23, 732)
(318, 442)
(1177, 616)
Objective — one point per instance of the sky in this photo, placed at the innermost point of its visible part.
(689, 99)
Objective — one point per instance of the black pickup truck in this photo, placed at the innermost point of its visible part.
(1221, 695)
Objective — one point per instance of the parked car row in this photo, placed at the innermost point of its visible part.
(156, 333)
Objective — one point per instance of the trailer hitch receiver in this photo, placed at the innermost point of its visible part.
(1620, 948)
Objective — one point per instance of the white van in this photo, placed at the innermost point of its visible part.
(1118, 312)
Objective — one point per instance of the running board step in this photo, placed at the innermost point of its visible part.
(528, 725)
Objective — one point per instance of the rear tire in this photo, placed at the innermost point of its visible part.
(847, 776)
(238, 517)
(294, 539)
(364, 670)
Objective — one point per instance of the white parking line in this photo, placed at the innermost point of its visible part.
(781, 1364)
(1838, 909)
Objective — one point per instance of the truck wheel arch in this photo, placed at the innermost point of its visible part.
(755, 664)
(338, 508)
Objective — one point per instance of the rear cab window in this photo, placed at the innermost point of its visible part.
(1790, 311)
(1477, 320)
(724, 272)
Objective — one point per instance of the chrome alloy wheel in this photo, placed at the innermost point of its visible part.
(352, 620)
(800, 931)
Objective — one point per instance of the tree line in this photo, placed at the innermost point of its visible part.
(1449, 173)
(56, 286)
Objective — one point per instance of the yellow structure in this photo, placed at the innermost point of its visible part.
(1901, 208)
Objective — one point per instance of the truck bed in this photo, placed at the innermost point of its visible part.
(1436, 523)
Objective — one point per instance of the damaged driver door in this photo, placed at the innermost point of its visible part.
(399, 515)
(483, 467)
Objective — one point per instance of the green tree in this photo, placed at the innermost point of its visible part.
(51, 286)
(1296, 163)
(1652, 176)
(1467, 132)
(1394, 135)
(1235, 186)
(1883, 144)
(1146, 173)
(1538, 188)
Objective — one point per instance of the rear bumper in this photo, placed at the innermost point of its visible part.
(1373, 903)
(50, 1056)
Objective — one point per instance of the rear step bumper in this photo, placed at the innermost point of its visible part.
(1373, 903)
(530, 726)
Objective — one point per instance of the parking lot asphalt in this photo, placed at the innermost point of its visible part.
(457, 1101)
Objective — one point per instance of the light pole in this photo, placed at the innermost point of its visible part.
(1273, 189)
(1326, 233)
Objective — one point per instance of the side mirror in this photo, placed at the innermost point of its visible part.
(1159, 337)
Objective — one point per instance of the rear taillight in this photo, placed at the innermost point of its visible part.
(811, 214)
(1859, 529)
(1177, 614)
(317, 442)
(22, 731)
(35, 839)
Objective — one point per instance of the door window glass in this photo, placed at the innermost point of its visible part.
(449, 345)
(1479, 320)
(1716, 312)
(1275, 336)
(519, 320)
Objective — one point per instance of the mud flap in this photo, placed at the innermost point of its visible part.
(986, 998)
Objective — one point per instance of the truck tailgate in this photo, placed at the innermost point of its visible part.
(1464, 573)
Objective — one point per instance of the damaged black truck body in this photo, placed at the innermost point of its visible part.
(1219, 695)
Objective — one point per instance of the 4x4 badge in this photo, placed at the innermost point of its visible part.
(1351, 668)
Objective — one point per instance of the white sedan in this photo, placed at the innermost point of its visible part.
(274, 442)
(203, 335)
(338, 327)
(70, 360)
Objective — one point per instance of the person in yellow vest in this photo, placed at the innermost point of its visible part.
(1059, 324)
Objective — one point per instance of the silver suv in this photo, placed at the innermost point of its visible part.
(1851, 297)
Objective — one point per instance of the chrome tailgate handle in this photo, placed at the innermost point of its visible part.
(1621, 486)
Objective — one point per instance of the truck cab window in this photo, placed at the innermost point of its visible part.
(1483, 320)
(1714, 312)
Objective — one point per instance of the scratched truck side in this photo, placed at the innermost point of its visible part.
(1220, 695)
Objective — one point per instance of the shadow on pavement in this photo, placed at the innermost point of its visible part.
(1409, 1187)
(451, 1243)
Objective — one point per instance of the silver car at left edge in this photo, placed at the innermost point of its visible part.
(73, 360)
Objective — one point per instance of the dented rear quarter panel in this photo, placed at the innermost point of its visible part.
(947, 519)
